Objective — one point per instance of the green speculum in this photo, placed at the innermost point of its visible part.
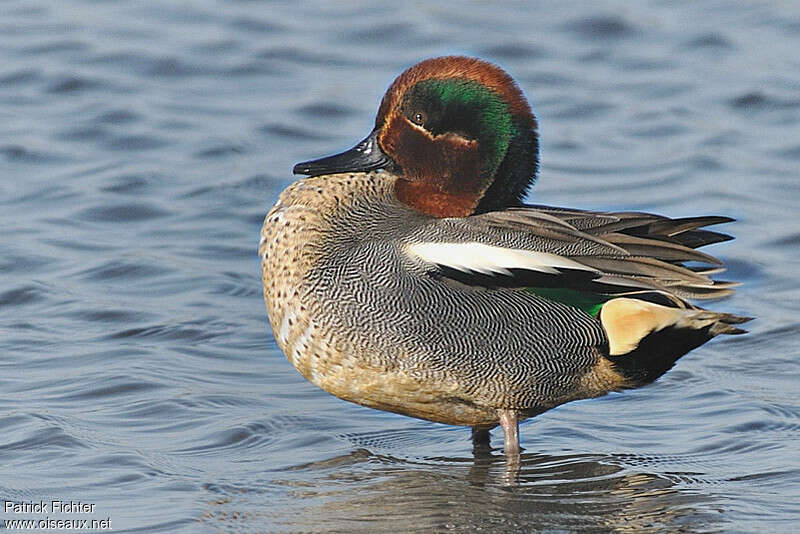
(466, 107)
(588, 302)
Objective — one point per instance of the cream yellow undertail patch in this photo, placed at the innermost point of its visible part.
(628, 321)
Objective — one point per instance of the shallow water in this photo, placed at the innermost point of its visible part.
(141, 144)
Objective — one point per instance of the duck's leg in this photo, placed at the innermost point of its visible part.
(510, 423)
(480, 439)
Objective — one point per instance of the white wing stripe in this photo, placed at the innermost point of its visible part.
(482, 258)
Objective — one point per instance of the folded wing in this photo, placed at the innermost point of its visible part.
(602, 253)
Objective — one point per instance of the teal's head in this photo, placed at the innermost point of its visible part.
(459, 133)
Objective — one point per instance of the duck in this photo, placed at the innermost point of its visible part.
(408, 275)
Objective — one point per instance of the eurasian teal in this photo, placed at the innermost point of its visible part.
(407, 275)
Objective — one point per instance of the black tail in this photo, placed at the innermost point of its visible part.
(658, 351)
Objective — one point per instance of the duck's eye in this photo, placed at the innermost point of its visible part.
(419, 117)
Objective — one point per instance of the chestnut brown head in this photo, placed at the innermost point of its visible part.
(459, 134)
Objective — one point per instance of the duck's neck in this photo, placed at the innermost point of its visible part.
(430, 200)
(516, 173)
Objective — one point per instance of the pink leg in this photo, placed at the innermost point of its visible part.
(510, 424)
(480, 438)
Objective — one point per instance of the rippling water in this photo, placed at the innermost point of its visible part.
(142, 142)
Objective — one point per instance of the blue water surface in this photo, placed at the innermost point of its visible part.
(141, 144)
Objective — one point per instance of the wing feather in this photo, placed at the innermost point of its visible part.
(614, 253)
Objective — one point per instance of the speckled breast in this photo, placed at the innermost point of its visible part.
(295, 242)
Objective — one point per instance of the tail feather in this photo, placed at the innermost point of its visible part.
(723, 324)
(646, 339)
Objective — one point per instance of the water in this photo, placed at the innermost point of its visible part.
(141, 144)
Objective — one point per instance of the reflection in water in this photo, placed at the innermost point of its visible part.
(365, 492)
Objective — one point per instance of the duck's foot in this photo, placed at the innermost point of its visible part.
(481, 440)
(510, 424)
